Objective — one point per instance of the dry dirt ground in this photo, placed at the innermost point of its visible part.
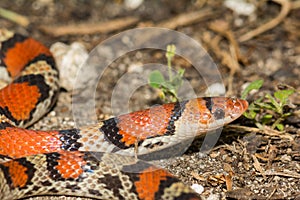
(246, 163)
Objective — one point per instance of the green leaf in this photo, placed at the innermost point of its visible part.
(255, 85)
(167, 85)
(280, 127)
(156, 79)
(266, 119)
(285, 115)
(168, 88)
(267, 106)
(176, 82)
(274, 103)
(180, 72)
(169, 92)
(283, 95)
(268, 116)
(251, 111)
(250, 115)
(161, 95)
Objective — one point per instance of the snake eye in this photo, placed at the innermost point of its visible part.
(219, 114)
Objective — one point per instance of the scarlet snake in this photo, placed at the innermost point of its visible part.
(83, 162)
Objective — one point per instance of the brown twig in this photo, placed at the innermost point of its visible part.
(285, 9)
(90, 28)
(286, 173)
(258, 167)
(272, 193)
(266, 130)
(226, 58)
(186, 19)
(231, 59)
(223, 28)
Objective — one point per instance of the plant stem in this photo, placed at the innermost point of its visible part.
(170, 69)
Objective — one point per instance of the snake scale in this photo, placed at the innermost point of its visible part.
(89, 161)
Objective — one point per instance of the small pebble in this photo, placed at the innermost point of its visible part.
(198, 188)
(240, 7)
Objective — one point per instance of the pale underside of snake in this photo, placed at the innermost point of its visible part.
(94, 161)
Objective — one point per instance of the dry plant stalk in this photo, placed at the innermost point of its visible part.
(231, 59)
(186, 19)
(285, 9)
(258, 167)
(14, 17)
(90, 28)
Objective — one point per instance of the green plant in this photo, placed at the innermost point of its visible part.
(168, 88)
(268, 110)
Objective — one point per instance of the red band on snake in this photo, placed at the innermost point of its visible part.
(89, 161)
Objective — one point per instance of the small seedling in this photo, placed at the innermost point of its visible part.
(168, 88)
(268, 110)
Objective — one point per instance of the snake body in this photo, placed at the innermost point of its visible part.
(89, 161)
